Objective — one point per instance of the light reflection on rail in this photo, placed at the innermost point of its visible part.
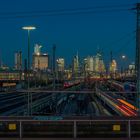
(122, 106)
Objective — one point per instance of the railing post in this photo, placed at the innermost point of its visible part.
(75, 129)
(20, 129)
(129, 129)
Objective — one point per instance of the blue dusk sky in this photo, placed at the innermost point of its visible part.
(111, 26)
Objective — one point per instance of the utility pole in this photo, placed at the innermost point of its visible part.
(54, 72)
(25, 72)
(20, 67)
(111, 57)
(25, 81)
(110, 66)
(29, 28)
(137, 63)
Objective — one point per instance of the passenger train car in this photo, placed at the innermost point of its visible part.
(68, 84)
(127, 90)
(117, 104)
(123, 86)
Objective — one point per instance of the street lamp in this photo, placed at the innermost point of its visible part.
(123, 58)
(29, 28)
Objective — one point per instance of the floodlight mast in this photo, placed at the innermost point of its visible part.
(29, 28)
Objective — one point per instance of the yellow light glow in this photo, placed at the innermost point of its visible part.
(128, 104)
(29, 28)
(38, 53)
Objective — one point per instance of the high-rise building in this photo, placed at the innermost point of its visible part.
(37, 49)
(18, 60)
(131, 68)
(60, 64)
(94, 65)
(88, 64)
(99, 64)
(113, 66)
(75, 69)
(40, 60)
(102, 66)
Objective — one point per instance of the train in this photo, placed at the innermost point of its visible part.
(126, 90)
(123, 87)
(71, 83)
(119, 105)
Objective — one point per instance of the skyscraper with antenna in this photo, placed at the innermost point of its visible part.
(75, 69)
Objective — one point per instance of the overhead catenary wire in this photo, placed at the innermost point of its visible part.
(115, 42)
(126, 45)
(56, 14)
(68, 10)
(128, 35)
(73, 11)
(128, 39)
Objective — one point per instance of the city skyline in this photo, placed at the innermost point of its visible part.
(70, 32)
(70, 69)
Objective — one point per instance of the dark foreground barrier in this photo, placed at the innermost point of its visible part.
(95, 128)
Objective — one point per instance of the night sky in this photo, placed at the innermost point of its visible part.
(83, 32)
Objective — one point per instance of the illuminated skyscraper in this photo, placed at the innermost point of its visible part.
(60, 64)
(89, 62)
(18, 60)
(37, 49)
(40, 60)
(99, 64)
(75, 65)
(113, 66)
(131, 68)
(94, 65)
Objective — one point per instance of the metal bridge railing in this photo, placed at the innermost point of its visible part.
(70, 128)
